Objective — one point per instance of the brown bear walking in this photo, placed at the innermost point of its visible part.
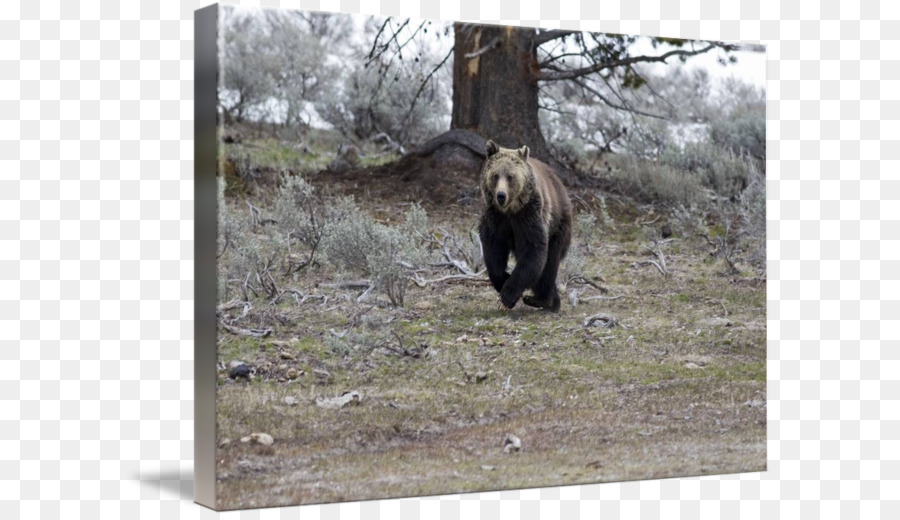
(527, 213)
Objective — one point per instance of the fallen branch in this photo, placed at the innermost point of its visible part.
(575, 297)
(721, 248)
(660, 262)
(581, 201)
(448, 240)
(605, 321)
(658, 267)
(237, 331)
(235, 304)
(365, 293)
(392, 146)
(581, 280)
(720, 302)
(256, 218)
(593, 298)
(479, 276)
(299, 297)
(360, 284)
(415, 352)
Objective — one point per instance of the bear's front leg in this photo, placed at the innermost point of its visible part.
(531, 255)
(495, 244)
(510, 295)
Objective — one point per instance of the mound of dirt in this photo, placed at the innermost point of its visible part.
(449, 175)
(443, 171)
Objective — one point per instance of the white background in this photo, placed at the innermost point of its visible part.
(96, 262)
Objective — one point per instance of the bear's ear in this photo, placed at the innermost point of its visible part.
(492, 148)
(524, 152)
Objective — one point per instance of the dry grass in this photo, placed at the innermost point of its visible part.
(678, 390)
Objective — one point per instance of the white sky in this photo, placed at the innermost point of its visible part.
(750, 67)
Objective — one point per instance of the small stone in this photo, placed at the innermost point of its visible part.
(691, 365)
(290, 400)
(284, 354)
(511, 443)
(719, 322)
(292, 373)
(485, 467)
(348, 398)
(666, 231)
(240, 371)
(259, 438)
(224, 442)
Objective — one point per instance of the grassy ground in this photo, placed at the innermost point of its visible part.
(677, 389)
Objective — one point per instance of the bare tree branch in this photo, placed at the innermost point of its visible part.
(546, 36)
(613, 105)
(412, 105)
(371, 55)
(557, 75)
(419, 28)
(556, 57)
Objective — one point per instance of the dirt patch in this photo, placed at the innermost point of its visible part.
(449, 176)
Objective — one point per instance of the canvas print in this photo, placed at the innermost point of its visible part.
(454, 257)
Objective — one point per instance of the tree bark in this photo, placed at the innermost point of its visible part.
(495, 96)
(495, 89)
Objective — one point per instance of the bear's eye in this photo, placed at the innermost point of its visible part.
(496, 176)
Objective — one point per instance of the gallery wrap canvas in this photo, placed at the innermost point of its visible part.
(439, 257)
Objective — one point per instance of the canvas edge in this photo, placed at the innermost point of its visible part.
(205, 153)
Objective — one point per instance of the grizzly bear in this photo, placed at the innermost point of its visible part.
(527, 213)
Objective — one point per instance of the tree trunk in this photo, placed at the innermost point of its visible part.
(495, 91)
(495, 96)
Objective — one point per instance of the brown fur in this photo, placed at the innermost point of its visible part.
(534, 222)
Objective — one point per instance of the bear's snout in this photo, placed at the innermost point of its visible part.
(501, 198)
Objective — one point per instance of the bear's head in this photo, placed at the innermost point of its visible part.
(507, 180)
